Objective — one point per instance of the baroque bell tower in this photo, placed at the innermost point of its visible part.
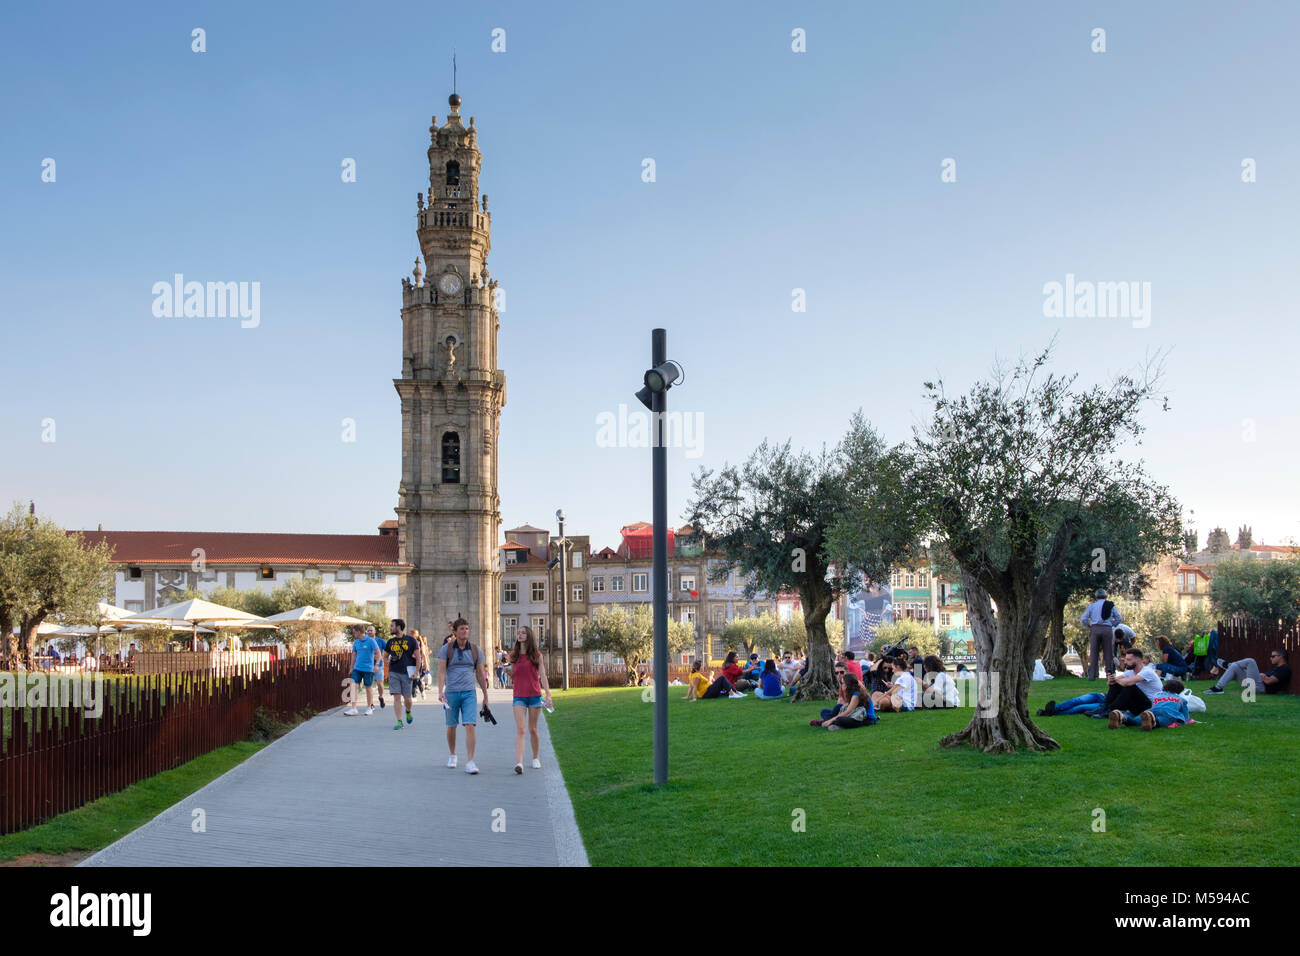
(448, 509)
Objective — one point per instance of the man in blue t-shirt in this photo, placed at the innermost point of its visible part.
(363, 670)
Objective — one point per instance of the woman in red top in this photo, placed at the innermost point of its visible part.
(731, 671)
(529, 682)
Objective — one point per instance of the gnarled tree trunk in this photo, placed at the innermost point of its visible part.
(1005, 650)
(819, 681)
(1054, 648)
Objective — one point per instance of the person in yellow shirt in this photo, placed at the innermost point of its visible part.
(705, 688)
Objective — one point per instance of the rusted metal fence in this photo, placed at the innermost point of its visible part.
(1239, 639)
(56, 756)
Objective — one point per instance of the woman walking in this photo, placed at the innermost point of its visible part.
(529, 680)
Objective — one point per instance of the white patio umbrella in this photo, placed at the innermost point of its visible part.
(310, 615)
(197, 611)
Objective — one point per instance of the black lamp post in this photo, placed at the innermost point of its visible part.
(654, 396)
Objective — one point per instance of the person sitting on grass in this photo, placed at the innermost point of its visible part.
(852, 666)
(1276, 681)
(753, 669)
(1168, 709)
(706, 688)
(938, 688)
(856, 710)
(731, 671)
(900, 694)
(828, 713)
(769, 684)
(788, 669)
(1171, 662)
(879, 676)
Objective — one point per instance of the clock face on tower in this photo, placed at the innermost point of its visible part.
(449, 283)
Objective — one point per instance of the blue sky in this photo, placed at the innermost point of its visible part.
(775, 170)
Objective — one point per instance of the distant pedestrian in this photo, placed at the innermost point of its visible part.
(400, 650)
(363, 671)
(530, 685)
(380, 683)
(463, 665)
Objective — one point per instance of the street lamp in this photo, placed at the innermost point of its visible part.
(654, 395)
(563, 543)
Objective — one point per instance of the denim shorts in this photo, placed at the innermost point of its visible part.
(363, 677)
(460, 708)
(528, 701)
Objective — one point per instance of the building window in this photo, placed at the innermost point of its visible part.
(577, 592)
(538, 591)
(668, 582)
(597, 584)
(510, 592)
(945, 619)
(688, 583)
(312, 574)
(909, 580)
(266, 574)
(719, 612)
(134, 573)
(559, 593)
(641, 582)
(539, 629)
(453, 173)
(923, 579)
(512, 557)
(450, 458)
(616, 582)
(575, 559)
(135, 607)
(343, 574)
(209, 576)
(509, 627)
(374, 575)
(893, 579)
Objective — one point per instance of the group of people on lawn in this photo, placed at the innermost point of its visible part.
(1148, 694)
(896, 682)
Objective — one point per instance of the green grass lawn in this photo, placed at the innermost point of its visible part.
(87, 829)
(1222, 792)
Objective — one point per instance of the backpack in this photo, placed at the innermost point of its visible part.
(452, 653)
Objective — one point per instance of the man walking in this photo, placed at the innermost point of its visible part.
(401, 661)
(363, 670)
(462, 665)
(1101, 618)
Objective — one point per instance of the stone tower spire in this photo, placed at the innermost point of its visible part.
(452, 393)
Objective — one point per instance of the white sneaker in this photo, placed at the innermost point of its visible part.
(537, 764)
(369, 711)
(470, 768)
(350, 713)
(451, 761)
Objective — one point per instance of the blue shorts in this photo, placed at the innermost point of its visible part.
(363, 677)
(460, 708)
(528, 701)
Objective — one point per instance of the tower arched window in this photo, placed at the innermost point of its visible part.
(453, 173)
(450, 458)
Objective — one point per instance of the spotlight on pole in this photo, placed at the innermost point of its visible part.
(658, 379)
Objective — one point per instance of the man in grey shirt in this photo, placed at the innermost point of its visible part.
(462, 664)
(1101, 617)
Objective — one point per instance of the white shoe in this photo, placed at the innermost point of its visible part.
(350, 713)
(537, 764)
(451, 762)
(369, 711)
(470, 768)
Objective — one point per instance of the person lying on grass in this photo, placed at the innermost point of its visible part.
(855, 711)
(1168, 709)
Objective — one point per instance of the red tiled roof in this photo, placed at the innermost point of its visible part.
(514, 544)
(238, 547)
(1185, 568)
(1275, 548)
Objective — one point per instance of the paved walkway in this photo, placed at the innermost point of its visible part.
(329, 793)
